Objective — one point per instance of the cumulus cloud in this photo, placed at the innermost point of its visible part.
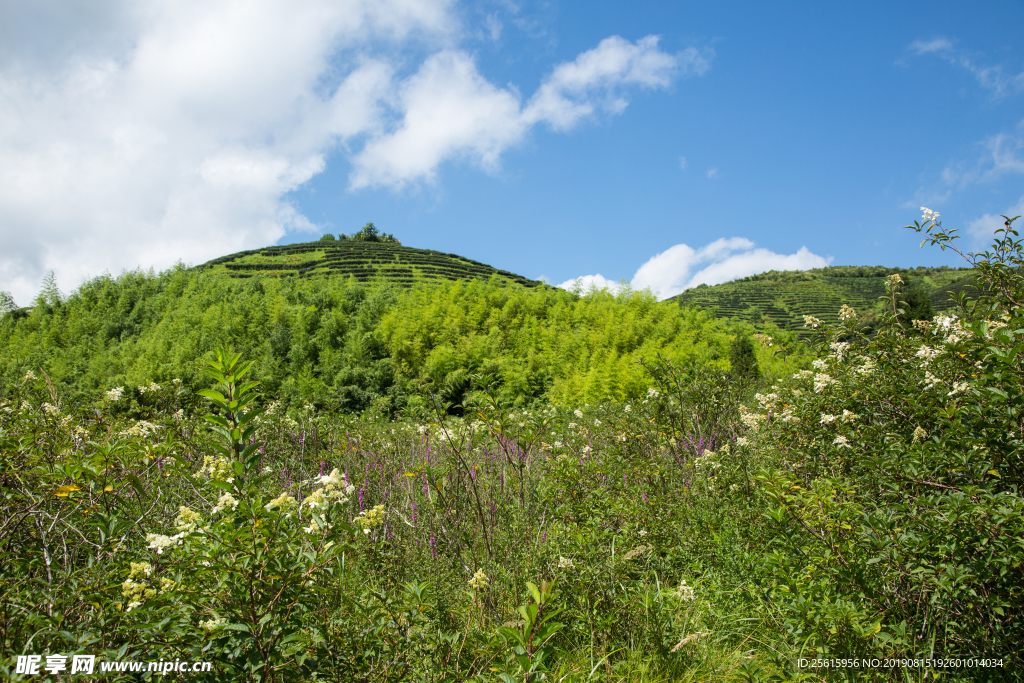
(139, 134)
(681, 267)
(448, 110)
(173, 130)
(586, 283)
(594, 80)
(992, 78)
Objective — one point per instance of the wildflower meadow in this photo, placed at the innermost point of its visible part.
(846, 507)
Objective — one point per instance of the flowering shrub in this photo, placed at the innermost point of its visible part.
(896, 493)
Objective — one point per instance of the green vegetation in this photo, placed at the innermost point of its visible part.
(367, 255)
(348, 346)
(784, 297)
(627, 491)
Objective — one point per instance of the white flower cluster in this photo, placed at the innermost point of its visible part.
(479, 580)
(839, 349)
(215, 469)
(767, 401)
(224, 502)
(821, 382)
(188, 521)
(368, 519)
(950, 327)
(332, 491)
(827, 419)
(137, 591)
(159, 542)
(564, 563)
(51, 409)
(707, 461)
(867, 368)
(841, 441)
(929, 215)
(153, 387)
(751, 419)
(212, 624)
(930, 380)
(141, 429)
(927, 354)
(847, 313)
(115, 394)
(959, 388)
(285, 503)
(812, 322)
(685, 592)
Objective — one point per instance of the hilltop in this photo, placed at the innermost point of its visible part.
(784, 297)
(363, 259)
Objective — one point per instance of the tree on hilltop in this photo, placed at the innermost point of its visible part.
(370, 233)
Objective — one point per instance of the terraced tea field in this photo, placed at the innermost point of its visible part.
(783, 298)
(362, 260)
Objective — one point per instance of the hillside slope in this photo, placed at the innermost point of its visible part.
(361, 259)
(784, 297)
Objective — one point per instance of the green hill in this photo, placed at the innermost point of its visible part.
(784, 297)
(363, 260)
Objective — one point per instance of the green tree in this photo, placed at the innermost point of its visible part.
(742, 359)
(7, 304)
(918, 305)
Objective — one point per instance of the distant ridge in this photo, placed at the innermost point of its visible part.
(784, 297)
(364, 260)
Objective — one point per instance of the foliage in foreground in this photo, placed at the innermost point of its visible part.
(867, 507)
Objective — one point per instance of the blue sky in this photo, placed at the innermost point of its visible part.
(660, 142)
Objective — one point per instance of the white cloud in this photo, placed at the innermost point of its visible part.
(996, 156)
(712, 172)
(1000, 155)
(984, 228)
(587, 283)
(682, 163)
(923, 47)
(991, 78)
(450, 111)
(173, 129)
(681, 267)
(139, 134)
(574, 90)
